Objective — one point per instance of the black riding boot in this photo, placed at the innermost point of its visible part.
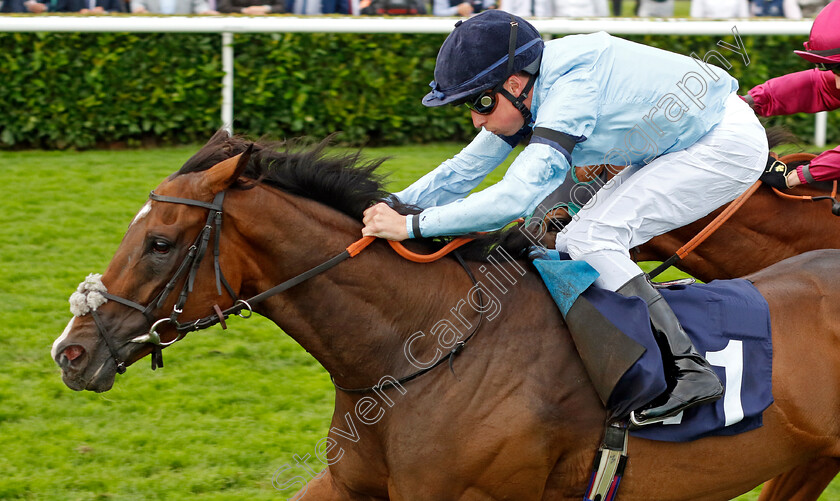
(691, 381)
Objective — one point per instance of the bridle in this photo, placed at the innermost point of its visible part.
(190, 265)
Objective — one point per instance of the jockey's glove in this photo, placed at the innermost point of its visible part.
(775, 174)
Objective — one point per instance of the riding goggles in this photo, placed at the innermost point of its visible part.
(483, 103)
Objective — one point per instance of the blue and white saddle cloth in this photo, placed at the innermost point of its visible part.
(727, 320)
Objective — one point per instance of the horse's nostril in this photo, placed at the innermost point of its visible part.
(69, 355)
(73, 352)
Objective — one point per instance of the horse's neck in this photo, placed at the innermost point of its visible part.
(355, 318)
(359, 319)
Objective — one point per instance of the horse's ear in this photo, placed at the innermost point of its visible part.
(226, 172)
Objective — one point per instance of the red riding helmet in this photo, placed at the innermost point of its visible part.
(823, 46)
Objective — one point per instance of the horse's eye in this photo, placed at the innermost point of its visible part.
(161, 246)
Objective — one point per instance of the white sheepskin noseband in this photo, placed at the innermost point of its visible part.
(88, 296)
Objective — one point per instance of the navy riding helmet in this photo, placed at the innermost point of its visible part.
(475, 57)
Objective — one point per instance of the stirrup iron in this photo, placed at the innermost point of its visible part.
(675, 419)
(671, 283)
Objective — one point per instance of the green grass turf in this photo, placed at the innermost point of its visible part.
(228, 410)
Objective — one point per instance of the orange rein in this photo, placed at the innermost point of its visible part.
(705, 232)
(734, 206)
(801, 157)
(359, 245)
(428, 258)
(717, 222)
(686, 249)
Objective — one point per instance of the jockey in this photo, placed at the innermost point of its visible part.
(690, 144)
(806, 91)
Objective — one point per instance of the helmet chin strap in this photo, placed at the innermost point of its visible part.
(519, 102)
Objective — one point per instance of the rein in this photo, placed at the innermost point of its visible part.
(428, 258)
(193, 259)
(736, 204)
(805, 157)
(705, 232)
(807, 198)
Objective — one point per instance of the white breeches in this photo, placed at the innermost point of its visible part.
(673, 190)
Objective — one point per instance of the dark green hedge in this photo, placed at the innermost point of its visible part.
(80, 90)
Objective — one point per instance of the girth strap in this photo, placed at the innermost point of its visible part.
(610, 462)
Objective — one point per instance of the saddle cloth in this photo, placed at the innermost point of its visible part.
(727, 320)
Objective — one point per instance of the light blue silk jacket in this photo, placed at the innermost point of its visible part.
(615, 101)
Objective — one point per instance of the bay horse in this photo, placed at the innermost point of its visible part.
(764, 231)
(514, 416)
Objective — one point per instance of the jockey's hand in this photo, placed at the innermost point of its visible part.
(384, 222)
(778, 175)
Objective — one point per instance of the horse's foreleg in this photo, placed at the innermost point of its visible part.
(803, 483)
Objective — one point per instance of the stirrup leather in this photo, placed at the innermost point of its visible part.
(610, 462)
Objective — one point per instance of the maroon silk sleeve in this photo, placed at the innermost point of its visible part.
(806, 91)
(825, 167)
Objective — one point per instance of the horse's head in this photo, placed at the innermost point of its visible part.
(132, 310)
(290, 213)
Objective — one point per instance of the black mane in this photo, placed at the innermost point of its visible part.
(342, 181)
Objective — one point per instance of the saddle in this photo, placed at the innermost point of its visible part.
(727, 320)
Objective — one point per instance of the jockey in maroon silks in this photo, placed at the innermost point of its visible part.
(806, 91)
